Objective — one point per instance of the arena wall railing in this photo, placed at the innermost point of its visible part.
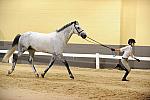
(97, 56)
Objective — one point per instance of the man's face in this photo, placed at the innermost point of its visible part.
(132, 44)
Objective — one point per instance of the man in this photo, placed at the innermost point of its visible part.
(127, 53)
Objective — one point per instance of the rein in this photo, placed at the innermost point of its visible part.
(96, 42)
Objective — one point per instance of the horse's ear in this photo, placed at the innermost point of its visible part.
(76, 22)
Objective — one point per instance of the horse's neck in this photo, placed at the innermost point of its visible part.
(66, 34)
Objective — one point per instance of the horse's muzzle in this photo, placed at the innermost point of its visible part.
(83, 35)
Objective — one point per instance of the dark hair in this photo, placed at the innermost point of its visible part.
(130, 41)
(74, 22)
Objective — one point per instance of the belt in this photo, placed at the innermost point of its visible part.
(125, 58)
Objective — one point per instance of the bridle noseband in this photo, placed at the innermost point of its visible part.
(78, 30)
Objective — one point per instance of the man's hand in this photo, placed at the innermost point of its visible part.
(138, 60)
(112, 49)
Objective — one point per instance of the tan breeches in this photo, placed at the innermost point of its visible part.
(126, 64)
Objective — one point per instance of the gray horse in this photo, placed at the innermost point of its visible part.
(53, 43)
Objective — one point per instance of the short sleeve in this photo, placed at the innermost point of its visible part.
(123, 48)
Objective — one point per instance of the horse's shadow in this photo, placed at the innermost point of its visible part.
(49, 77)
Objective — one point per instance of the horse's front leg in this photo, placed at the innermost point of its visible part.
(50, 65)
(67, 66)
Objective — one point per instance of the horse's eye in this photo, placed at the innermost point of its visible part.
(78, 27)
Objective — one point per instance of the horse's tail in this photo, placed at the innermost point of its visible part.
(12, 50)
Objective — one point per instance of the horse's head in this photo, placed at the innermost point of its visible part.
(78, 30)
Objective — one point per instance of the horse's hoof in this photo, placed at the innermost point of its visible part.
(42, 75)
(9, 72)
(37, 75)
(71, 77)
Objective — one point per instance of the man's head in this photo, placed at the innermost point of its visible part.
(131, 42)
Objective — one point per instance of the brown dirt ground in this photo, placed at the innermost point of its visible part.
(89, 84)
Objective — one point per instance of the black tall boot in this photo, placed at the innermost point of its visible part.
(119, 67)
(125, 76)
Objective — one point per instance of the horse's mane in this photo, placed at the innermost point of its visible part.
(67, 25)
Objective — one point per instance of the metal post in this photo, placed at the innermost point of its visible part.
(97, 61)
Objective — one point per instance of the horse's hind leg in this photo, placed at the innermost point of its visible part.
(30, 60)
(14, 61)
(31, 53)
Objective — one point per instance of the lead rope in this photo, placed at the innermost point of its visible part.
(94, 41)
